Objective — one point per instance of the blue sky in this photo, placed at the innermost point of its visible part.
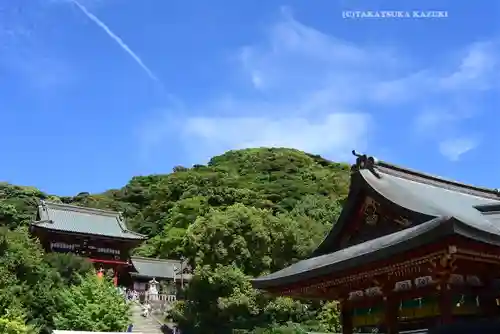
(81, 112)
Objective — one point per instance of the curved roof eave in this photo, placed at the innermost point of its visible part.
(379, 249)
(354, 256)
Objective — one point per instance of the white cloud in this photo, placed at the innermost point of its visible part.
(318, 93)
(299, 105)
(476, 72)
(454, 148)
(443, 119)
(297, 59)
(478, 68)
(335, 132)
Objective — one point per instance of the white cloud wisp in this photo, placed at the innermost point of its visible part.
(318, 93)
(115, 38)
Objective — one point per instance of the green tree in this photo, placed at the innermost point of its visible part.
(329, 318)
(70, 267)
(92, 305)
(322, 209)
(9, 215)
(18, 204)
(217, 301)
(222, 300)
(285, 309)
(14, 326)
(289, 328)
(26, 280)
(252, 239)
(252, 210)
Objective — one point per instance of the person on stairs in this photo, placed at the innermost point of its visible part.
(146, 311)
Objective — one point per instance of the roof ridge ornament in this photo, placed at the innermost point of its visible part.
(43, 205)
(364, 162)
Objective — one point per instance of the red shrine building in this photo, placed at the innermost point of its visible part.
(409, 251)
(102, 237)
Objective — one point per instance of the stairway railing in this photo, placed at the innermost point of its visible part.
(163, 297)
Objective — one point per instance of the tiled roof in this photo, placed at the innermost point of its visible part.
(450, 208)
(157, 268)
(409, 189)
(77, 219)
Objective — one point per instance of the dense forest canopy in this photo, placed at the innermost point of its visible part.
(245, 213)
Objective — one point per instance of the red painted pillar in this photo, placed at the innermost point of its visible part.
(115, 277)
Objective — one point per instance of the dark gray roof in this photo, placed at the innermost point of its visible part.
(77, 219)
(452, 208)
(380, 249)
(428, 195)
(423, 198)
(157, 268)
(429, 191)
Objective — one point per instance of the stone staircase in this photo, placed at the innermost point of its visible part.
(144, 325)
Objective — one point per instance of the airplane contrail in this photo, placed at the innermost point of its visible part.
(117, 39)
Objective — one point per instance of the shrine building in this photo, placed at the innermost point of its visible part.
(409, 251)
(174, 272)
(102, 237)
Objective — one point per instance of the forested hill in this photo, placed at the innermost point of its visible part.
(253, 210)
(285, 182)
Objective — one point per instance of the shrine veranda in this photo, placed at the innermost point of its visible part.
(409, 251)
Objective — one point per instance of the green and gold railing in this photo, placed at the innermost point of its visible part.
(416, 309)
(369, 316)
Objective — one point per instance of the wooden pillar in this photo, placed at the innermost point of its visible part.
(443, 273)
(391, 314)
(346, 318)
(445, 300)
